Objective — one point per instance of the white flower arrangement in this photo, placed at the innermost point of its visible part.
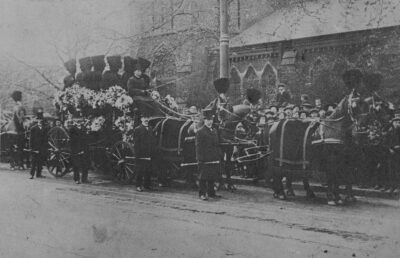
(81, 98)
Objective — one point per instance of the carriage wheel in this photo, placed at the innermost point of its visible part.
(122, 162)
(59, 163)
(59, 156)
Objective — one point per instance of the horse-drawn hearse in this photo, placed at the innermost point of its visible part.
(292, 148)
(110, 141)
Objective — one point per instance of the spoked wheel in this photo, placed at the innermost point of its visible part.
(59, 156)
(122, 162)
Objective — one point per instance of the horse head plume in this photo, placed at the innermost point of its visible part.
(253, 95)
(221, 85)
(352, 78)
(372, 81)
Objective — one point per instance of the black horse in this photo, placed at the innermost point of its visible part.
(341, 138)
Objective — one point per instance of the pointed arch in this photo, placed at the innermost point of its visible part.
(268, 82)
(235, 85)
(250, 79)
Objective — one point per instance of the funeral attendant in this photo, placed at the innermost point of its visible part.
(208, 155)
(144, 147)
(38, 143)
(78, 151)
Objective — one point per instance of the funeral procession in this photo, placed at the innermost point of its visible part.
(212, 128)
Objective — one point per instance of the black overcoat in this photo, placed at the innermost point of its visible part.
(144, 142)
(38, 139)
(208, 150)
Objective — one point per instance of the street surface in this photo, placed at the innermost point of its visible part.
(56, 218)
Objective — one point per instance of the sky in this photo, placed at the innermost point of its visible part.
(36, 30)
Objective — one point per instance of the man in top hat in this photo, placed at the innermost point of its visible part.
(96, 76)
(83, 78)
(283, 97)
(144, 144)
(79, 151)
(221, 109)
(145, 65)
(69, 80)
(137, 85)
(38, 144)
(208, 155)
(111, 76)
(128, 72)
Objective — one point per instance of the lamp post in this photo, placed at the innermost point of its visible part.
(224, 40)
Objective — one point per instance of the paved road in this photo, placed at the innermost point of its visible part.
(56, 218)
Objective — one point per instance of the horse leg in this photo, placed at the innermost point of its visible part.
(277, 186)
(289, 186)
(333, 165)
(227, 167)
(307, 188)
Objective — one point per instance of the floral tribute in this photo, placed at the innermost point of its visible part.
(103, 105)
(80, 98)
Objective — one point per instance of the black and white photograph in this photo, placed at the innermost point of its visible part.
(200, 128)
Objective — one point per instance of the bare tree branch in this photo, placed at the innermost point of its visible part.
(38, 72)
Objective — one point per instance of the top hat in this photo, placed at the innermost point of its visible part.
(253, 95)
(39, 114)
(16, 95)
(114, 61)
(85, 63)
(352, 78)
(70, 65)
(221, 85)
(372, 81)
(98, 63)
(144, 63)
(208, 114)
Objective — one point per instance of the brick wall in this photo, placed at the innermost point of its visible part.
(318, 65)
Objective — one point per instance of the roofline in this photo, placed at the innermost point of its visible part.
(394, 27)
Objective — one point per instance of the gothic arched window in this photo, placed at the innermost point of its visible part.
(234, 90)
(268, 83)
